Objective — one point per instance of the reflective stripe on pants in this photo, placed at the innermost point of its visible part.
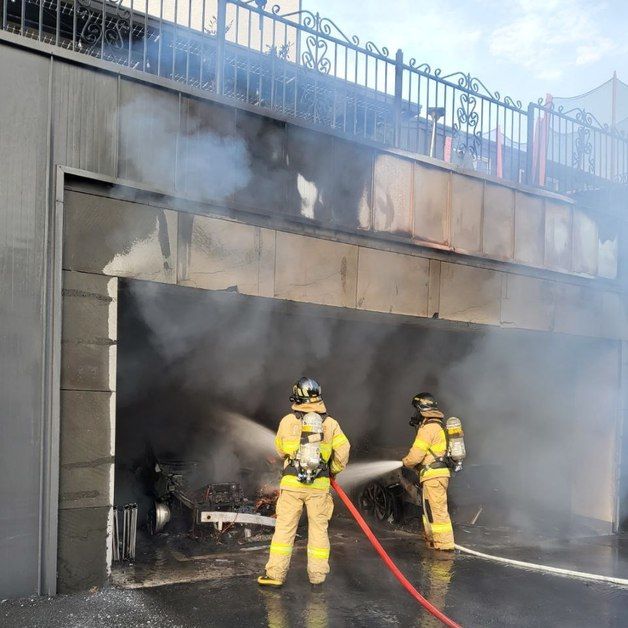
(290, 504)
(436, 522)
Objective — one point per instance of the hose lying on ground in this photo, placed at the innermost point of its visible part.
(559, 571)
(389, 563)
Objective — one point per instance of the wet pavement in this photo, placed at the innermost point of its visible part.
(169, 559)
(604, 555)
(359, 592)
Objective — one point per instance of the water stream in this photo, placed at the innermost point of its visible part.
(363, 472)
(246, 433)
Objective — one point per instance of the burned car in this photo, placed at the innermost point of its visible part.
(210, 509)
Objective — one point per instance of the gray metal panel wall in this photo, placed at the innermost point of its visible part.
(74, 110)
(24, 78)
(85, 121)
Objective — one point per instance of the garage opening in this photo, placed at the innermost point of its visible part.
(199, 371)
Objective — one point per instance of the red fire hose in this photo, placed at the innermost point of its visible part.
(388, 560)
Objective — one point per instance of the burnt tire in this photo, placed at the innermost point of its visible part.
(376, 501)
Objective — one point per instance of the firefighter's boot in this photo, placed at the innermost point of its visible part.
(267, 581)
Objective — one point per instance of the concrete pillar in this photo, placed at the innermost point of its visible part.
(88, 378)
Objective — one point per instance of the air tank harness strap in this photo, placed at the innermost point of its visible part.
(291, 470)
(440, 462)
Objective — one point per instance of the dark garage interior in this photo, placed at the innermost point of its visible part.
(190, 360)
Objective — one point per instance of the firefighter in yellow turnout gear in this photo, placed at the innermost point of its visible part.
(314, 447)
(428, 451)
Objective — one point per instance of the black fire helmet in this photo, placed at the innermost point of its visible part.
(306, 390)
(424, 401)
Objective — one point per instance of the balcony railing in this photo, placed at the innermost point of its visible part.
(302, 65)
(572, 150)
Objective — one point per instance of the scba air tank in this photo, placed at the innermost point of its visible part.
(308, 460)
(456, 450)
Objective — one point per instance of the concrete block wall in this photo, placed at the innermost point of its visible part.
(621, 449)
(279, 168)
(87, 427)
(590, 493)
(480, 218)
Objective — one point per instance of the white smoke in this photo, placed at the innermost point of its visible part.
(523, 398)
(211, 163)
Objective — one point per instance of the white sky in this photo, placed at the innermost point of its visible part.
(523, 48)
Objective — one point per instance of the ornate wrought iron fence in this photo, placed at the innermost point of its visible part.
(455, 117)
(304, 66)
(174, 39)
(319, 73)
(571, 150)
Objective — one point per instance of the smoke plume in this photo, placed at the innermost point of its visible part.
(187, 356)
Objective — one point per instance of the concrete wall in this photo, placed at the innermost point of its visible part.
(88, 381)
(297, 172)
(218, 252)
(105, 120)
(592, 489)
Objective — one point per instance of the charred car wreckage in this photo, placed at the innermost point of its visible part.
(180, 505)
(209, 510)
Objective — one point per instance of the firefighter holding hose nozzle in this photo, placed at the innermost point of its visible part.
(314, 448)
(437, 450)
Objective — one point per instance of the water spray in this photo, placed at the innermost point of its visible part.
(362, 472)
(248, 434)
(430, 608)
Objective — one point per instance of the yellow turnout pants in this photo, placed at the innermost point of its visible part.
(436, 522)
(319, 507)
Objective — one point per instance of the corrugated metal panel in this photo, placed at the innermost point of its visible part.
(84, 118)
(23, 162)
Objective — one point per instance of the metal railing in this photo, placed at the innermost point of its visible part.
(302, 65)
(572, 150)
(463, 122)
